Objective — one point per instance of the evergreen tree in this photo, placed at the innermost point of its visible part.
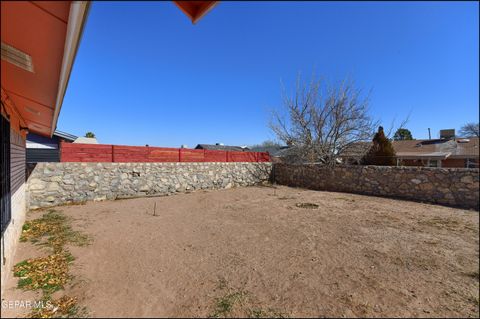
(403, 134)
(381, 152)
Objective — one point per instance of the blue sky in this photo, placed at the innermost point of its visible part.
(145, 75)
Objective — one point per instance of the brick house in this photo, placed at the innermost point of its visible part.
(456, 152)
(447, 151)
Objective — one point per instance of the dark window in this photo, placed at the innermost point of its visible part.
(6, 213)
(432, 163)
(471, 163)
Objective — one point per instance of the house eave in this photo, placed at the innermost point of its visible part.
(76, 23)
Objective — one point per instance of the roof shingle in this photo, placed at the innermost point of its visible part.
(215, 147)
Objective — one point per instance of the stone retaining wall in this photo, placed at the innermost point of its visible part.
(448, 186)
(53, 184)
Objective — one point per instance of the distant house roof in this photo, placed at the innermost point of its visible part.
(436, 148)
(281, 151)
(42, 142)
(357, 149)
(65, 136)
(219, 147)
(458, 148)
(86, 140)
(273, 150)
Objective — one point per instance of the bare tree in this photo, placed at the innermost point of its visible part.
(394, 128)
(470, 130)
(321, 122)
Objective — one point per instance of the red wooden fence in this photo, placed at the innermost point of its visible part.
(74, 152)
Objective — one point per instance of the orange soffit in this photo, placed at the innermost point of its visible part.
(195, 10)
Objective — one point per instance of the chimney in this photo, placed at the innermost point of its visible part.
(447, 134)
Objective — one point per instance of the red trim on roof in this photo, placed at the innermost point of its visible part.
(195, 10)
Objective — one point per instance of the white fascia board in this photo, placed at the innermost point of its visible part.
(50, 146)
(76, 22)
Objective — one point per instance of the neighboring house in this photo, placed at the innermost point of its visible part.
(39, 44)
(221, 147)
(353, 154)
(46, 149)
(86, 140)
(447, 151)
(456, 152)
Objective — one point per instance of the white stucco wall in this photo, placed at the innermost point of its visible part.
(11, 235)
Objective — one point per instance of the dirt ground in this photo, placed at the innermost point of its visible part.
(254, 252)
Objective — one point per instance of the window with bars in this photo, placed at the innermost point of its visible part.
(471, 163)
(6, 214)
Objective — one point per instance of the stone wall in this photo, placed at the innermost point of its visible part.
(53, 184)
(447, 186)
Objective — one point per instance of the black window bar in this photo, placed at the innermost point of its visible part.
(6, 213)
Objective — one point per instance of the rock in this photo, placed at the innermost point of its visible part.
(53, 186)
(36, 184)
(56, 178)
(467, 179)
(144, 188)
(100, 198)
(68, 182)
